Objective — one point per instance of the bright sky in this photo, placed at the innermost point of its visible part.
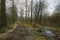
(51, 4)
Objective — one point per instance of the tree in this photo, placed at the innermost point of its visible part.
(35, 12)
(21, 14)
(26, 10)
(31, 10)
(38, 11)
(45, 18)
(41, 8)
(3, 14)
(14, 12)
(28, 13)
(55, 17)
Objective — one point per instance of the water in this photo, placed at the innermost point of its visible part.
(48, 33)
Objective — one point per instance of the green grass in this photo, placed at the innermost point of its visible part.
(5, 29)
(42, 26)
(27, 25)
(1, 38)
(39, 38)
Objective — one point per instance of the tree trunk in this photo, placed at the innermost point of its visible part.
(31, 10)
(26, 11)
(3, 14)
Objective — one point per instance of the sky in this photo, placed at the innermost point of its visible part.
(51, 5)
(20, 3)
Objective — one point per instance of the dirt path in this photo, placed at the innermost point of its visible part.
(20, 33)
(3, 35)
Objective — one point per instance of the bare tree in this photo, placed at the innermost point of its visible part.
(38, 11)
(41, 8)
(31, 10)
(26, 10)
(35, 13)
(21, 14)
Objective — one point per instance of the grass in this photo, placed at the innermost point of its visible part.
(55, 29)
(5, 29)
(27, 25)
(40, 38)
(42, 26)
(1, 38)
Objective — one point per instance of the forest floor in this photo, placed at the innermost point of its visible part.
(3, 35)
(20, 32)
